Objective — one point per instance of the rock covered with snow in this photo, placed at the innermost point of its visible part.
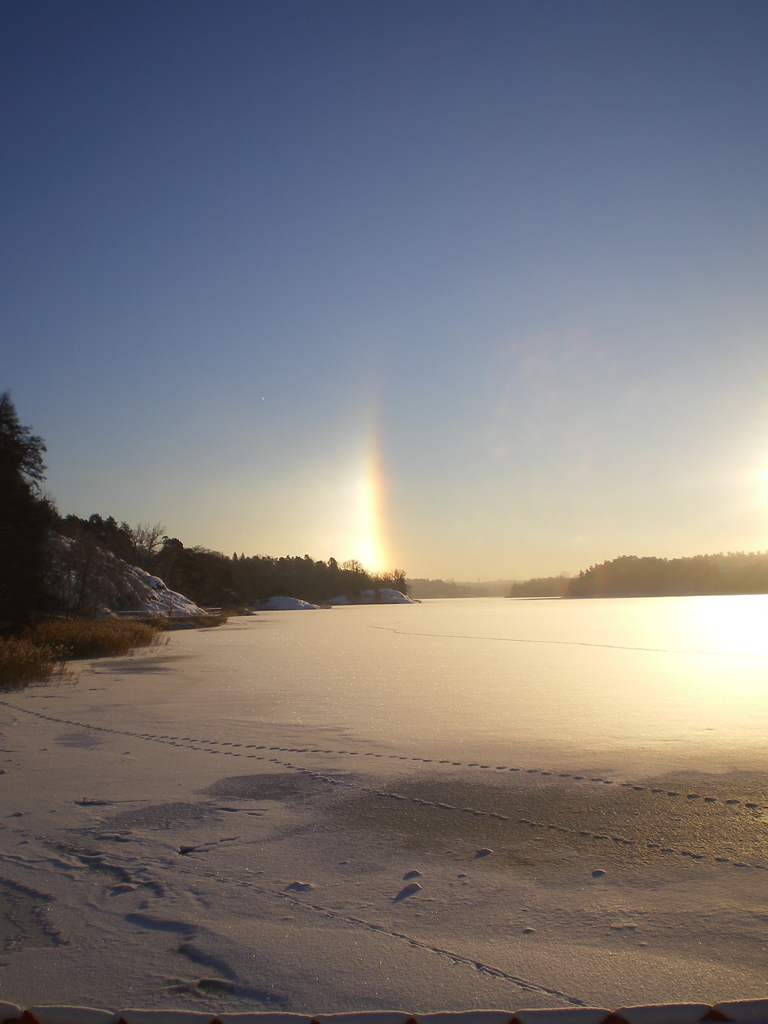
(156, 598)
(286, 604)
(388, 595)
(87, 580)
(384, 595)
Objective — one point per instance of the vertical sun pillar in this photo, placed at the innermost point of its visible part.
(369, 543)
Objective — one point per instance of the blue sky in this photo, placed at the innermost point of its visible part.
(507, 258)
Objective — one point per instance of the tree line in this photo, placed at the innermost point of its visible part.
(42, 552)
(430, 589)
(211, 578)
(630, 576)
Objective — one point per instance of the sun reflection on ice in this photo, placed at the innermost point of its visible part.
(735, 624)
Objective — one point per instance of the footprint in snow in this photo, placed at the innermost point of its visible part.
(407, 891)
(411, 874)
(598, 873)
(485, 852)
(299, 887)
(118, 890)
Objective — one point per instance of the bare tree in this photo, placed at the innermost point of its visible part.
(353, 565)
(147, 541)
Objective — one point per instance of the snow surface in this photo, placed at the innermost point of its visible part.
(226, 823)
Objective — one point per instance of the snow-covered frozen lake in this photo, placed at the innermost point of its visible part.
(654, 682)
(231, 821)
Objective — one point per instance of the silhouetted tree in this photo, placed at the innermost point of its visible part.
(25, 517)
(118, 539)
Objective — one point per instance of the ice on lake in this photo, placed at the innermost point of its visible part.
(650, 682)
(579, 787)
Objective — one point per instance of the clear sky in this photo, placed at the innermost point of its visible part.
(473, 289)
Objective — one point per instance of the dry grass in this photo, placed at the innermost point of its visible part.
(95, 638)
(24, 660)
(43, 650)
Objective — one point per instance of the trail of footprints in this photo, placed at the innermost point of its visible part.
(458, 958)
(191, 743)
(548, 826)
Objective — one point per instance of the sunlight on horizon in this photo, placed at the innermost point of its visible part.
(369, 545)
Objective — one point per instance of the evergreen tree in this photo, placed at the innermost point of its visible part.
(25, 517)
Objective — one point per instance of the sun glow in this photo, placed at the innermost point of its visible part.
(762, 482)
(368, 535)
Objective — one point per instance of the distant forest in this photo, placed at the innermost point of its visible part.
(422, 588)
(630, 576)
(213, 579)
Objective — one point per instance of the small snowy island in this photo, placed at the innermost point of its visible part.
(381, 595)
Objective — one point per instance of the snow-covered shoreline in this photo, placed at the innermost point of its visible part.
(91, 581)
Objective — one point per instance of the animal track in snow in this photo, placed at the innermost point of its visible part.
(597, 780)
